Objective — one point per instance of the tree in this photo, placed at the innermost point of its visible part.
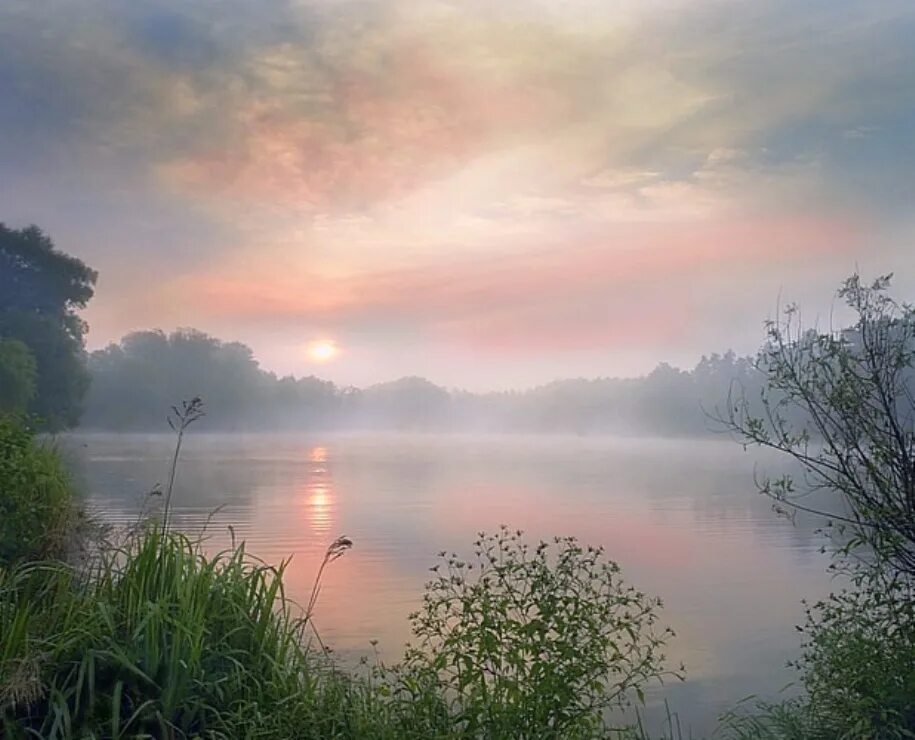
(135, 379)
(41, 290)
(841, 404)
(17, 376)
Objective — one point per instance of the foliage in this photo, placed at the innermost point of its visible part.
(161, 640)
(855, 433)
(857, 670)
(36, 277)
(841, 405)
(531, 641)
(62, 378)
(35, 496)
(154, 638)
(138, 377)
(858, 663)
(17, 376)
(41, 289)
(756, 720)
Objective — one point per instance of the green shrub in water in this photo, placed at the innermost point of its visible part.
(530, 642)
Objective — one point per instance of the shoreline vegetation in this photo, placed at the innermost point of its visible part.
(151, 637)
(134, 379)
(142, 634)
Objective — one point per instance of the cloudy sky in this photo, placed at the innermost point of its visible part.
(490, 194)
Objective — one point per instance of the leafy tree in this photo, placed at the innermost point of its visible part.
(841, 404)
(41, 290)
(134, 379)
(17, 376)
(408, 403)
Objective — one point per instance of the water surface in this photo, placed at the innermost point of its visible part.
(681, 518)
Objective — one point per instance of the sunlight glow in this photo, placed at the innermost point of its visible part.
(322, 350)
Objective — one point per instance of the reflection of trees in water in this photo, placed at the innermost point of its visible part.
(121, 470)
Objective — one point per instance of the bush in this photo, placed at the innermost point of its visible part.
(857, 670)
(160, 640)
(858, 661)
(842, 404)
(530, 642)
(35, 496)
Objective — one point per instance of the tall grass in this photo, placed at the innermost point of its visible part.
(155, 638)
(162, 641)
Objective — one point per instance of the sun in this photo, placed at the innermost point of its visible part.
(322, 350)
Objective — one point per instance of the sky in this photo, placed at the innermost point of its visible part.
(488, 194)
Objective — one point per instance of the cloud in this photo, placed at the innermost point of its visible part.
(633, 287)
(320, 107)
(461, 171)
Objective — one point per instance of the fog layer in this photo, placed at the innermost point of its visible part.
(135, 381)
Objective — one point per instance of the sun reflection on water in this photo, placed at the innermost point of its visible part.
(319, 494)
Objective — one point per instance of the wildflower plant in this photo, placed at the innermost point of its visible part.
(531, 641)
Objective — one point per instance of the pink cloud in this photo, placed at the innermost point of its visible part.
(373, 136)
(635, 286)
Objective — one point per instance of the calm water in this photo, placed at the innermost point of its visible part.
(681, 518)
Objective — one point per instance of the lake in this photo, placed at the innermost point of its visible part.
(680, 516)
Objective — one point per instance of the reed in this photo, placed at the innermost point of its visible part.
(161, 640)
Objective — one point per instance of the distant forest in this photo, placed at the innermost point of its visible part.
(135, 381)
(46, 373)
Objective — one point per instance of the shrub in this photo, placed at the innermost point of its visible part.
(842, 406)
(35, 496)
(857, 670)
(858, 660)
(529, 642)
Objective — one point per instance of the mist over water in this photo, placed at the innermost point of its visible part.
(681, 517)
(430, 268)
(136, 380)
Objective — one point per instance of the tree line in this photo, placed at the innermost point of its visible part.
(135, 379)
(46, 372)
